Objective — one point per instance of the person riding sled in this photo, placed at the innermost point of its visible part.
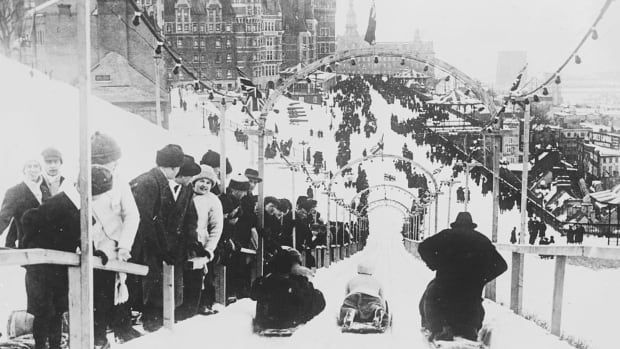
(364, 301)
(464, 261)
(285, 298)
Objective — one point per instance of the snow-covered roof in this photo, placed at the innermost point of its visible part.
(611, 197)
(455, 97)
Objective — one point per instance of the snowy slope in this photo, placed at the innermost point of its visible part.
(404, 279)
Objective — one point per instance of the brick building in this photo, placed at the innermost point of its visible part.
(54, 51)
(300, 32)
(325, 14)
(201, 31)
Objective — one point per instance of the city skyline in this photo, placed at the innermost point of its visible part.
(555, 27)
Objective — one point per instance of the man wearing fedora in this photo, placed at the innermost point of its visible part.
(254, 178)
(464, 261)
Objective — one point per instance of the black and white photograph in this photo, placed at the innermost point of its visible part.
(350, 174)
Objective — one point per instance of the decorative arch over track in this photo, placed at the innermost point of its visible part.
(379, 186)
(383, 156)
(475, 86)
(392, 201)
(389, 204)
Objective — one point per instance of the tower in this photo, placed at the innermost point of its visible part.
(351, 27)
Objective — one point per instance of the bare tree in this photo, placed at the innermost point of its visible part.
(11, 23)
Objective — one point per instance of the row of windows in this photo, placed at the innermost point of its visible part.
(610, 160)
(202, 43)
(266, 70)
(198, 28)
(218, 58)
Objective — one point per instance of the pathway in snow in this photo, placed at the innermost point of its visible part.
(404, 278)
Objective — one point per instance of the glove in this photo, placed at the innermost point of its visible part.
(198, 249)
(102, 255)
(124, 254)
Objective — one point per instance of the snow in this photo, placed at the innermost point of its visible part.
(51, 119)
(404, 279)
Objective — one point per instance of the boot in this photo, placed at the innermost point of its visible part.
(348, 318)
(379, 317)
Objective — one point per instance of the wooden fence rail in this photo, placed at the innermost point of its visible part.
(561, 254)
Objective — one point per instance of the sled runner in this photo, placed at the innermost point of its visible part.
(276, 332)
(364, 328)
(457, 343)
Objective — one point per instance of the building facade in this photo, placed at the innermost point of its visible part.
(300, 32)
(118, 50)
(201, 31)
(384, 65)
(325, 14)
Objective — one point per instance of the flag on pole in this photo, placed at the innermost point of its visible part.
(246, 84)
(372, 25)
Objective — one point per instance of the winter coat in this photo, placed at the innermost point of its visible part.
(17, 200)
(364, 283)
(285, 301)
(210, 221)
(163, 232)
(53, 225)
(116, 219)
(464, 261)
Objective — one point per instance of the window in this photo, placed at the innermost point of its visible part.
(218, 43)
(202, 28)
(203, 58)
(186, 27)
(228, 43)
(179, 42)
(202, 42)
(218, 58)
(218, 27)
(169, 28)
(229, 58)
(194, 27)
(228, 28)
(210, 27)
(195, 43)
(195, 59)
(179, 27)
(229, 74)
(218, 74)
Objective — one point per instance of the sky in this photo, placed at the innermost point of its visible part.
(469, 34)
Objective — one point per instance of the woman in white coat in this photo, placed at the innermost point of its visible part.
(199, 291)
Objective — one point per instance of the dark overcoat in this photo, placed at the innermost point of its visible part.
(53, 225)
(163, 233)
(17, 200)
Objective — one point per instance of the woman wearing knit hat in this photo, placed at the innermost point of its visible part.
(119, 219)
(199, 291)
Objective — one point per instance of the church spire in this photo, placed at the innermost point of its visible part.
(351, 27)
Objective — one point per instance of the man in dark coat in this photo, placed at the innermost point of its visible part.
(285, 298)
(464, 261)
(53, 225)
(19, 198)
(163, 203)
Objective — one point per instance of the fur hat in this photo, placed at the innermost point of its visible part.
(206, 172)
(101, 179)
(239, 182)
(285, 259)
(212, 159)
(51, 154)
(189, 168)
(252, 175)
(272, 200)
(464, 221)
(170, 156)
(104, 149)
(308, 204)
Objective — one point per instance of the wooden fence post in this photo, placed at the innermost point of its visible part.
(516, 283)
(168, 292)
(558, 295)
(220, 284)
(75, 308)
